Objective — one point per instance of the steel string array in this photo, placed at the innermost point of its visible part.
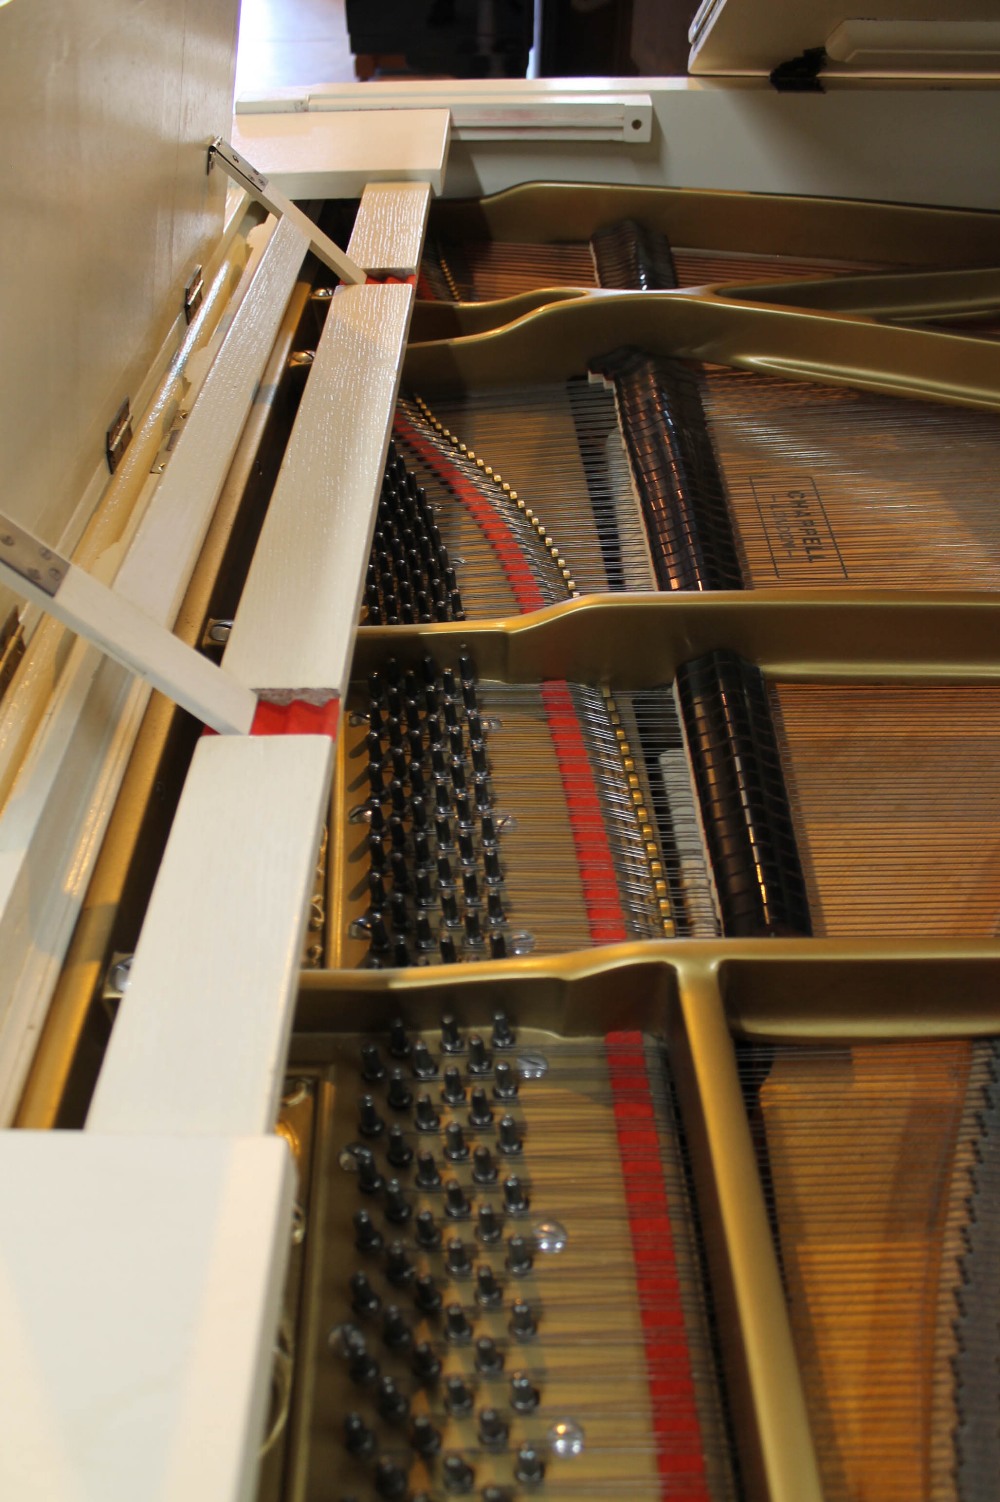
(496, 1334)
(436, 885)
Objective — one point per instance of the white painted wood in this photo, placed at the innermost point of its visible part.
(150, 651)
(159, 563)
(107, 207)
(388, 234)
(312, 155)
(140, 1288)
(498, 111)
(294, 629)
(753, 36)
(50, 835)
(199, 1043)
(51, 828)
(904, 144)
(266, 193)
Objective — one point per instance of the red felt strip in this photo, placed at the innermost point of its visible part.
(494, 527)
(676, 1429)
(297, 718)
(596, 868)
(391, 281)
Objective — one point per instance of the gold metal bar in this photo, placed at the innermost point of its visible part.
(751, 223)
(768, 1404)
(637, 641)
(834, 348)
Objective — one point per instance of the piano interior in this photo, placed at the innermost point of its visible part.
(641, 1084)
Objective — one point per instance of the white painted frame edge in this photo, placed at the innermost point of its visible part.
(199, 1043)
(295, 626)
(50, 832)
(141, 1288)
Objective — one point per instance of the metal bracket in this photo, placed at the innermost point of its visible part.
(118, 436)
(216, 632)
(30, 559)
(257, 185)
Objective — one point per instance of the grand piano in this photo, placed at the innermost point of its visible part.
(498, 784)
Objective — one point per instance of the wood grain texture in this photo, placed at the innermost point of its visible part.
(336, 155)
(294, 629)
(156, 571)
(388, 235)
(140, 1284)
(199, 1043)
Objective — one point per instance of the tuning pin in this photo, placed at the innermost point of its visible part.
(455, 1147)
(399, 871)
(378, 935)
(456, 742)
(480, 761)
(523, 1393)
(377, 900)
(453, 1091)
(480, 1115)
(398, 1267)
(489, 1228)
(376, 852)
(519, 1256)
(457, 1259)
(370, 1122)
(424, 1437)
(427, 1295)
(505, 1083)
(397, 1207)
(449, 954)
(458, 1475)
(393, 1405)
(493, 1428)
(367, 1236)
(488, 1291)
(503, 1034)
(422, 1062)
(422, 851)
(364, 1300)
(456, 1325)
(457, 1397)
(426, 897)
(399, 1043)
(348, 1341)
(489, 1357)
(418, 811)
(395, 1330)
(398, 1095)
(427, 1176)
(427, 1233)
(372, 1068)
(428, 671)
(451, 1038)
(370, 1181)
(508, 1137)
(449, 912)
(424, 1363)
(457, 770)
(515, 1200)
(483, 1168)
(529, 1467)
(498, 946)
(358, 1438)
(495, 915)
(522, 1324)
(456, 1203)
(390, 1481)
(425, 1116)
(491, 864)
(399, 1152)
